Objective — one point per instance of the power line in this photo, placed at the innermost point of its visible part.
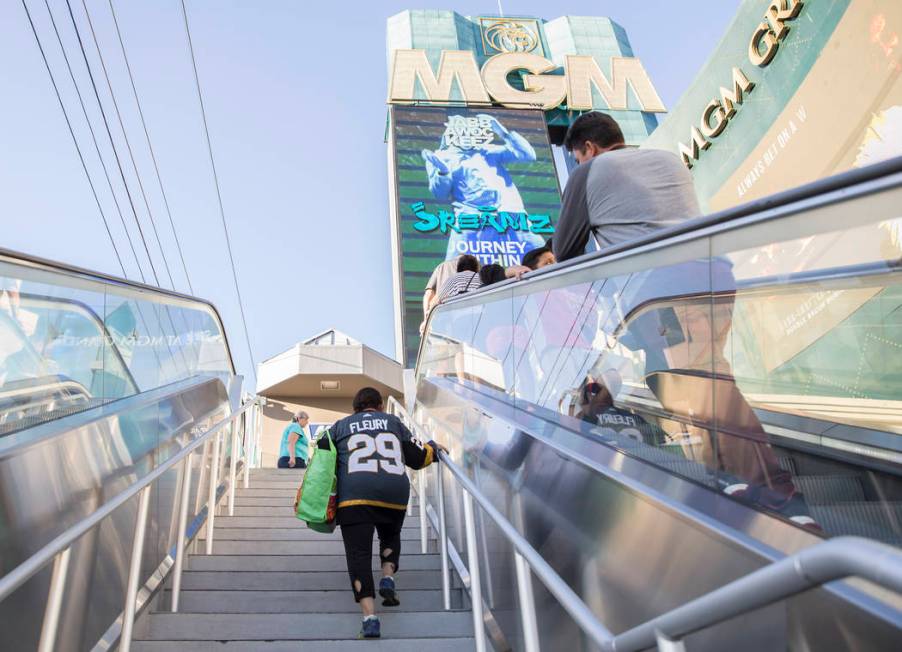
(225, 227)
(153, 156)
(74, 140)
(128, 146)
(106, 124)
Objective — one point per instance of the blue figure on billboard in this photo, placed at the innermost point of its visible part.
(469, 169)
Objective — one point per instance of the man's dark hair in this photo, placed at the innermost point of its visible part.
(595, 127)
(492, 273)
(531, 257)
(467, 263)
(368, 397)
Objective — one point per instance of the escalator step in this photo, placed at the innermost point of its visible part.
(788, 464)
(826, 489)
(880, 521)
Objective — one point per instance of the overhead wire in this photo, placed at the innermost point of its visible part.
(128, 145)
(81, 157)
(225, 227)
(109, 132)
(153, 156)
(93, 138)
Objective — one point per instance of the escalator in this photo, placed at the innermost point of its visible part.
(665, 417)
(101, 381)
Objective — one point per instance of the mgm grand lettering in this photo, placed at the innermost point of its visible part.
(763, 47)
(581, 75)
(486, 218)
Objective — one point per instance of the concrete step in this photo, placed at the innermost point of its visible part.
(380, 645)
(251, 563)
(328, 626)
(281, 521)
(298, 532)
(327, 544)
(298, 581)
(301, 602)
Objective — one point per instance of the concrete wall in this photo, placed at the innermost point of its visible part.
(277, 414)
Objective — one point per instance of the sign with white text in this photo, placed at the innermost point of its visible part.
(467, 181)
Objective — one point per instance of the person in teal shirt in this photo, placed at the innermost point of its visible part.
(293, 451)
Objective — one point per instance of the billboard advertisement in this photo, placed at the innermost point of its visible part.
(467, 180)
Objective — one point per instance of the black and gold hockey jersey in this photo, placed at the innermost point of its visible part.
(373, 449)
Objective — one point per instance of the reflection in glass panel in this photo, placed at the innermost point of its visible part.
(816, 348)
(68, 343)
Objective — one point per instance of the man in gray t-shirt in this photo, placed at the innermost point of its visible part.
(618, 193)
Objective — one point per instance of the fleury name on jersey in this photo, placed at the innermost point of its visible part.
(373, 450)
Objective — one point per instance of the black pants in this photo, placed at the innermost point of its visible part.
(298, 463)
(358, 540)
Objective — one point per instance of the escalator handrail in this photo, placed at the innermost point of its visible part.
(22, 259)
(28, 568)
(836, 559)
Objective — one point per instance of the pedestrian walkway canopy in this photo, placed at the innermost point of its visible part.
(320, 375)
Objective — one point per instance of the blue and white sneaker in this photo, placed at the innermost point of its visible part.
(387, 591)
(370, 628)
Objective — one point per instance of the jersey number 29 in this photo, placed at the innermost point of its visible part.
(385, 445)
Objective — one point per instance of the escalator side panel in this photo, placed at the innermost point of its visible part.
(50, 483)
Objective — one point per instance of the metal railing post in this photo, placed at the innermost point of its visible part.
(198, 500)
(250, 419)
(180, 537)
(443, 537)
(527, 604)
(233, 466)
(54, 601)
(421, 494)
(473, 564)
(409, 502)
(134, 571)
(665, 644)
(211, 500)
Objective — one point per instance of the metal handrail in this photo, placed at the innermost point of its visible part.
(825, 562)
(836, 559)
(526, 557)
(58, 550)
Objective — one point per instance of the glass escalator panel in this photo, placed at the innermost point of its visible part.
(70, 341)
(763, 362)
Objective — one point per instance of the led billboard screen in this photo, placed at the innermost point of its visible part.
(478, 181)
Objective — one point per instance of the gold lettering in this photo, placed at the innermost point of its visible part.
(548, 91)
(697, 143)
(772, 30)
(780, 11)
(716, 110)
(459, 65)
(583, 73)
(762, 34)
(730, 98)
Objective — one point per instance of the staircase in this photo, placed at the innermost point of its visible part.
(272, 584)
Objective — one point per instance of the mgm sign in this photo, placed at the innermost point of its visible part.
(540, 89)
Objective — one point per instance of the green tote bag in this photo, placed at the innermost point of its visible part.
(317, 492)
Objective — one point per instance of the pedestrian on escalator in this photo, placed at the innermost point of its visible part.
(618, 193)
(373, 449)
(295, 437)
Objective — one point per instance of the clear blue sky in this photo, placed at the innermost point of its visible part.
(295, 96)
